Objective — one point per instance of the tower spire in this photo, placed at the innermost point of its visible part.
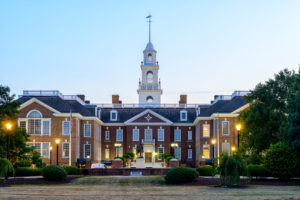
(149, 21)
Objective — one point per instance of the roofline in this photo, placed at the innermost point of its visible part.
(78, 115)
(215, 115)
(129, 121)
(35, 100)
(241, 108)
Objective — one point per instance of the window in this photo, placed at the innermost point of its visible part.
(150, 57)
(225, 128)
(107, 135)
(87, 130)
(46, 127)
(160, 134)
(149, 77)
(66, 128)
(206, 151)
(65, 150)
(119, 135)
(113, 115)
(106, 154)
(23, 125)
(206, 130)
(160, 152)
(135, 134)
(190, 153)
(34, 114)
(190, 135)
(119, 151)
(45, 149)
(177, 135)
(226, 147)
(149, 99)
(148, 134)
(183, 115)
(198, 111)
(177, 153)
(37, 146)
(34, 126)
(87, 151)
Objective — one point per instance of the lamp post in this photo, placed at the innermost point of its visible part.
(8, 128)
(233, 149)
(238, 128)
(57, 141)
(50, 148)
(174, 145)
(118, 145)
(213, 141)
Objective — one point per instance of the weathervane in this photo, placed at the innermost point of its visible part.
(149, 21)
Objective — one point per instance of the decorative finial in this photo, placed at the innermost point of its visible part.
(149, 21)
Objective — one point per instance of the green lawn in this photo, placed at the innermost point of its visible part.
(142, 188)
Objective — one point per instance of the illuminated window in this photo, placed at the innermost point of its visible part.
(206, 130)
(206, 151)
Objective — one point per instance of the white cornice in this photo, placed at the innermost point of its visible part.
(166, 121)
(241, 108)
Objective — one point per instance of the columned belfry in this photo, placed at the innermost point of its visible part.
(149, 87)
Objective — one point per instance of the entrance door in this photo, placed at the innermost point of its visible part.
(148, 156)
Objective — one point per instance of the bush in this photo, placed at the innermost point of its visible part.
(130, 154)
(23, 163)
(6, 168)
(281, 160)
(126, 156)
(231, 168)
(71, 170)
(254, 159)
(181, 175)
(258, 170)
(25, 171)
(206, 171)
(54, 173)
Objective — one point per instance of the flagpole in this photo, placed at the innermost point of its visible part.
(70, 144)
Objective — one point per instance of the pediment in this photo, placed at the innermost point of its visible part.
(148, 116)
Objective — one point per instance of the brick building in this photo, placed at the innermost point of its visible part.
(96, 132)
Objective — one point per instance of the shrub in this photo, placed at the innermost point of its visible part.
(126, 156)
(231, 168)
(23, 163)
(6, 168)
(258, 170)
(130, 154)
(71, 170)
(206, 171)
(181, 175)
(281, 160)
(54, 173)
(26, 171)
(169, 158)
(254, 159)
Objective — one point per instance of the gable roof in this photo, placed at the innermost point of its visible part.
(59, 104)
(148, 111)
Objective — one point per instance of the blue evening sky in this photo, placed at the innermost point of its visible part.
(95, 47)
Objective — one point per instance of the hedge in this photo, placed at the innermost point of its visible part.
(26, 171)
(206, 171)
(258, 170)
(71, 170)
(54, 173)
(181, 175)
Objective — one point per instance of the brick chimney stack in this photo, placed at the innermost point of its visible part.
(183, 99)
(115, 99)
(82, 97)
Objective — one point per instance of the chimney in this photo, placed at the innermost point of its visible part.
(183, 99)
(82, 97)
(115, 99)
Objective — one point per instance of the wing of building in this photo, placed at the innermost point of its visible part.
(79, 131)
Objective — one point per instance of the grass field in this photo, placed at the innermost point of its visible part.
(142, 188)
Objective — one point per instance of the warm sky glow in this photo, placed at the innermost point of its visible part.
(95, 47)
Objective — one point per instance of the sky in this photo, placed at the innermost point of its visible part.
(95, 47)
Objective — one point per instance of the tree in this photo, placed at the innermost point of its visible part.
(293, 133)
(266, 119)
(18, 138)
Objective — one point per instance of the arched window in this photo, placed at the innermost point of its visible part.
(150, 58)
(149, 99)
(34, 114)
(149, 77)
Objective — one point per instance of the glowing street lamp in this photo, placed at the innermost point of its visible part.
(57, 141)
(8, 127)
(213, 141)
(238, 128)
(233, 149)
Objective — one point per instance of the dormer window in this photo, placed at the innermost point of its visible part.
(183, 115)
(198, 111)
(113, 115)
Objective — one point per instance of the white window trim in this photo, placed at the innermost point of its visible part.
(208, 125)
(42, 120)
(208, 151)
(183, 119)
(33, 111)
(138, 134)
(190, 157)
(190, 133)
(90, 151)
(84, 134)
(63, 133)
(41, 149)
(163, 134)
(107, 138)
(228, 128)
(62, 150)
(121, 140)
(179, 151)
(111, 112)
(158, 152)
(148, 129)
(177, 140)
